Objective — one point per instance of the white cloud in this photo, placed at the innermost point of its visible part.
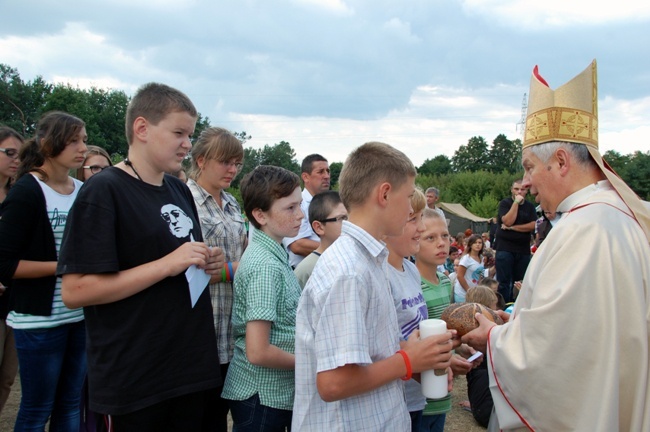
(558, 13)
(337, 6)
(37, 54)
(401, 29)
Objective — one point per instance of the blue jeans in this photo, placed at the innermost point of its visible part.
(511, 267)
(52, 365)
(433, 423)
(251, 416)
(416, 420)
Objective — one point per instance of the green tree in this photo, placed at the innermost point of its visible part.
(21, 103)
(440, 164)
(505, 155)
(617, 161)
(471, 157)
(242, 136)
(103, 111)
(637, 174)
(281, 155)
(483, 205)
(335, 172)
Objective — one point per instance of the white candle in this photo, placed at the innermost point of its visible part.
(434, 382)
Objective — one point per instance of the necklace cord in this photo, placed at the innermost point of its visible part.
(128, 163)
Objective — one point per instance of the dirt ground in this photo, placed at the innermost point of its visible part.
(458, 420)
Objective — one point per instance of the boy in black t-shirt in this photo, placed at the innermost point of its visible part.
(131, 245)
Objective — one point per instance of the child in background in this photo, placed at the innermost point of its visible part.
(97, 160)
(470, 268)
(494, 286)
(260, 380)
(489, 263)
(348, 355)
(448, 266)
(407, 294)
(482, 295)
(437, 292)
(326, 213)
(478, 383)
(454, 276)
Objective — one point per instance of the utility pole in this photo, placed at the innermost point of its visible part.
(522, 120)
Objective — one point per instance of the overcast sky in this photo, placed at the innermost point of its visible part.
(329, 75)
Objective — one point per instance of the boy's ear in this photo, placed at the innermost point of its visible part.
(259, 216)
(140, 128)
(318, 228)
(383, 191)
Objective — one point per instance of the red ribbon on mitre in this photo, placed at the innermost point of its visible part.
(539, 77)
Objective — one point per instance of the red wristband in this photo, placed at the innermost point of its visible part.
(407, 362)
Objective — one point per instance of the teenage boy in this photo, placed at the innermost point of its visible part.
(437, 291)
(326, 213)
(407, 295)
(260, 380)
(315, 174)
(348, 357)
(131, 237)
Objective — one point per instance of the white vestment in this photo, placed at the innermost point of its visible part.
(574, 356)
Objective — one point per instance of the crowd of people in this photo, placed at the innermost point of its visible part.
(136, 298)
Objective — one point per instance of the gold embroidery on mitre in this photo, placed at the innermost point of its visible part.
(566, 114)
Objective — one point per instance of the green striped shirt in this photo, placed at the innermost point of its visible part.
(437, 298)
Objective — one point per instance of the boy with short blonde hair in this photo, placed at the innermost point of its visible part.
(348, 356)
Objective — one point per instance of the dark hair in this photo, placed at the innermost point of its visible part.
(154, 101)
(5, 133)
(322, 205)
(308, 162)
(265, 184)
(452, 249)
(93, 150)
(54, 132)
(473, 239)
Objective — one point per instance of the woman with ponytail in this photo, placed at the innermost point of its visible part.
(49, 337)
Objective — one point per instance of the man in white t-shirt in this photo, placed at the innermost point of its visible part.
(315, 174)
(433, 195)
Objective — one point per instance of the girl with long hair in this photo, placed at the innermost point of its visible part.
(470, 268)
(50, 338)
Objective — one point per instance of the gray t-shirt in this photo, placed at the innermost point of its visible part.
(411, 309)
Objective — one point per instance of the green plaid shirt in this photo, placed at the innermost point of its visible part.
(265, 289)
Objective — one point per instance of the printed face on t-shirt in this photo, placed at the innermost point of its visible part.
(180, 225)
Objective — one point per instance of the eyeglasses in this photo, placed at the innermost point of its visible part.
(95, 168)
(228, 164)
(334, 219)
(11, 153)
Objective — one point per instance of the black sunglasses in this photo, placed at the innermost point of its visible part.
(334, 219)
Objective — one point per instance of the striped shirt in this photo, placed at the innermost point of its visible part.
(346, 315)
(437, 298)
(225, 229)
(265, 290)
(58, 207)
